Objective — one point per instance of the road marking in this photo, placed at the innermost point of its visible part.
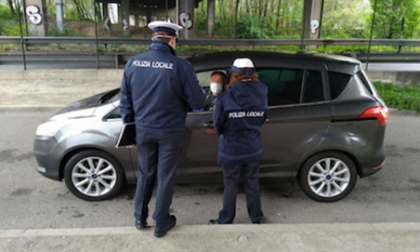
(296, 228)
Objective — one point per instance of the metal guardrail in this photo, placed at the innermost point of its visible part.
(117, 60)
(211, 42)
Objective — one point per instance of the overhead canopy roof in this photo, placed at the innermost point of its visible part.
(157, 3)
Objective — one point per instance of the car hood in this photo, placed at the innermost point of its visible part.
(79, 109)
(90, 102)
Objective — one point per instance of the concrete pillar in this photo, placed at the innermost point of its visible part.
(312, 18)
(306, 18)
(149, 14)
(316, 20)
(186, 18)
(60, 14)
(125, 6)
(119, 21)
(210, 17)
(136, 20)
(36, 13)
(105, 12)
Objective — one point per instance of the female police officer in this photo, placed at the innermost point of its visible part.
(240, 111)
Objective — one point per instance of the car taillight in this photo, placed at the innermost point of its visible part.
(380, 113)
(379, 165)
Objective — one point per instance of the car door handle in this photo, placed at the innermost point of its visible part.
(208, 124)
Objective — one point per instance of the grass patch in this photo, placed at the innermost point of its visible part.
(402, 98)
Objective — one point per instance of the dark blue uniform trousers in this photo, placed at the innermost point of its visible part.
(231, 180)
(159, 155)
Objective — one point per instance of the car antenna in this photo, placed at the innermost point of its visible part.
(196, 52)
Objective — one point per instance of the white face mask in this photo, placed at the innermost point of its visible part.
(215, 88)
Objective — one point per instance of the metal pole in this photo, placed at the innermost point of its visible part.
(236, 21)
(59, 14)
(401, 34)
(371, 34)
(96, 36)
(25, 18)
(186, 11)
(166, 6)
(21, 35)
(302, 37)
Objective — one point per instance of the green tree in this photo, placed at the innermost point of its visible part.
(345, 19)
(389, 15)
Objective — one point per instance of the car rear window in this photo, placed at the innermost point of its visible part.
(338, 83)
(284, 85)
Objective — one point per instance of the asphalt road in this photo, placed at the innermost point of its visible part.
(28, 200)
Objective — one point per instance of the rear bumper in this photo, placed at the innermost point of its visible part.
(47, 152)
(372, 156)
(370, 169)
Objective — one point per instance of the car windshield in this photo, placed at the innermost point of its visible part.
(111, 96)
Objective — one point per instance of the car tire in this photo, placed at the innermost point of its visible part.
(93, 175)
(328, 176)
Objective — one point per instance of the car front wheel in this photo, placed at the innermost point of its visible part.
(93, 175)
(328, 176)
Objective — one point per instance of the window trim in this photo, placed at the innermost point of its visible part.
(303, 87)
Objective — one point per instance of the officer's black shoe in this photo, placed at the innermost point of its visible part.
(141, 224)
(259, 222)
(214, 222)
(162, 232)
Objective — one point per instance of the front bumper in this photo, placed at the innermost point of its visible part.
(47, 153)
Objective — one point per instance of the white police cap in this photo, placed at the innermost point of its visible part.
(164, 26)
(243, 66)
(243, 63)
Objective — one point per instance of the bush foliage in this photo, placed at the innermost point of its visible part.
(402, 98)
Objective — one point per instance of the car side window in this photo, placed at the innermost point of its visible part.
(116, 114)
(338, 82)
(314, 87)
(204, 77)
(284, 85)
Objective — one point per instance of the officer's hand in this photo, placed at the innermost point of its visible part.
(130, 146)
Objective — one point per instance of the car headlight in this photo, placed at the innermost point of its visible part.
(51, 128)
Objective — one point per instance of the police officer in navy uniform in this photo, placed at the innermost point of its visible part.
(157, 91)
(240, 112)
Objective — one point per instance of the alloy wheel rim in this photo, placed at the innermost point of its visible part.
(94, 176)
(329, 177)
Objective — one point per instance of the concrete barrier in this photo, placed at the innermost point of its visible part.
(398, 78)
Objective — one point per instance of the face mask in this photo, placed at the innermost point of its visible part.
(215, 88)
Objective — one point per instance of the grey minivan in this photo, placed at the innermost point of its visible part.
(326, 128)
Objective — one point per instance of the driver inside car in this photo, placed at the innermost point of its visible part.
(217, 86)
